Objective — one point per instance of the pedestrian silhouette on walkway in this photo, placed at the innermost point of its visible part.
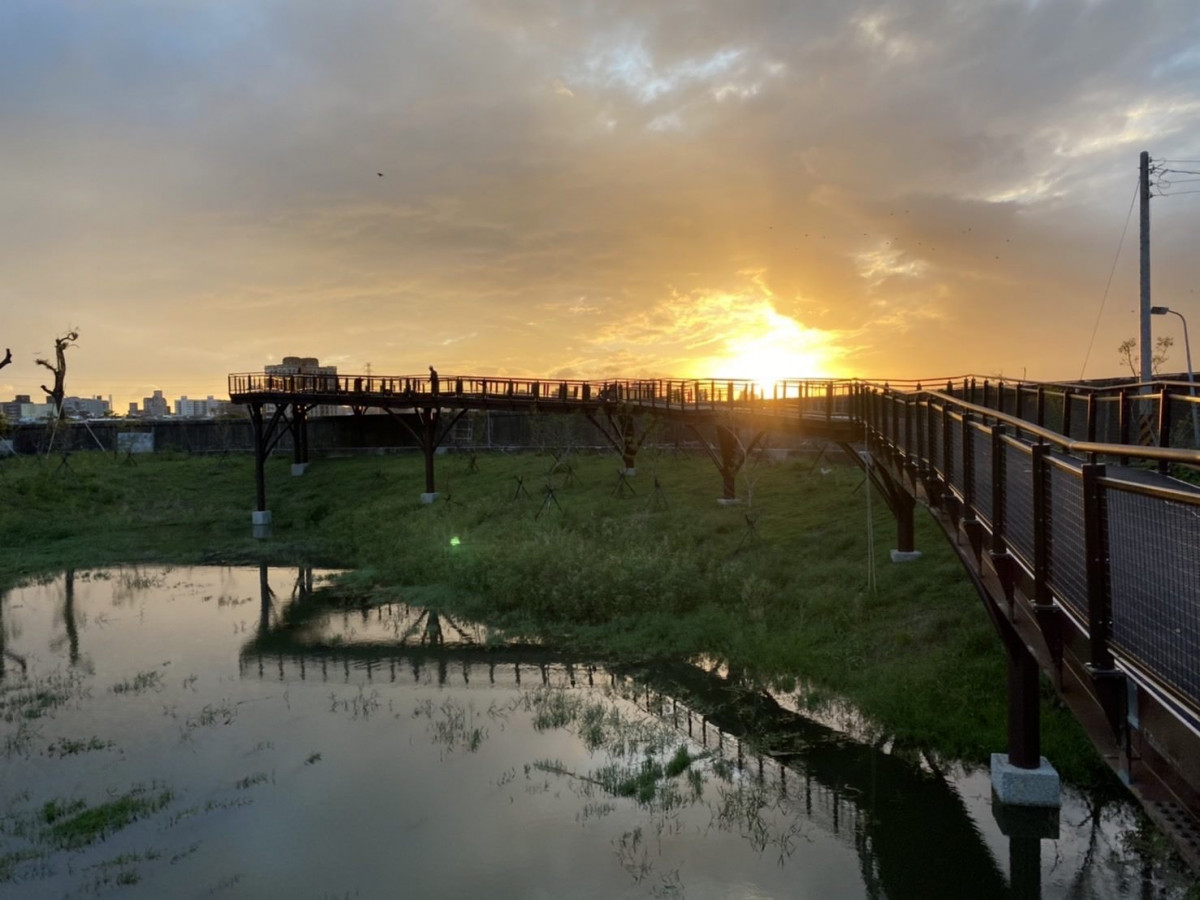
(433, 380)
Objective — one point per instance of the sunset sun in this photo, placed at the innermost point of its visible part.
(771, 347)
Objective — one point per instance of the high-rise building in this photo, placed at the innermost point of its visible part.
(309, 365)
(154, 407)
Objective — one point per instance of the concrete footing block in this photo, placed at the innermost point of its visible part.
(630, 472)
(1015, 786)
(298, 468)
(729, 501)
(260, 517)
(260, 532)
(429, 497)
(902, 556)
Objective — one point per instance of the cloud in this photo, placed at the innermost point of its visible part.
(928, 185)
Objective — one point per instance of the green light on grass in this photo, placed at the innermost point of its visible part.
(454, 541)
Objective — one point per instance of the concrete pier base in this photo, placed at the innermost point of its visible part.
(729, 501)
(629, 472)
(1015, 786)
(903, 556)
(298, 468)
(429, 497)
(260, 523)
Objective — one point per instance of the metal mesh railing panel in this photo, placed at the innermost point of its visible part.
(1079, 411)
(954, 461)
(1018, 501)
(1108, 420)
(1185, 423)
(1154, 582)
(920, 430)
(1068, 564)
(901, 412)
(981, 482)
(1143, 419)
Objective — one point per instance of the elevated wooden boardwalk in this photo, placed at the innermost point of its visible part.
(1085, 553)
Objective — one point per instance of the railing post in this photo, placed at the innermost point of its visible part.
(1047, 614)
(828, 401)
(1066, 412)
(1040, 406)
(1123, 421)
(1108, 681)
(1091, 416)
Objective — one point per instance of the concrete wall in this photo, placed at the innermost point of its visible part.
(336, 435)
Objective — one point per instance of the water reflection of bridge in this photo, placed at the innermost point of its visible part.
(909, 826)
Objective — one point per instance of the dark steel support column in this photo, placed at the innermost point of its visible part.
(1024, 720)
(905, 531)
(428, 418)
(730, 463)
(629, 441)
(260, 457)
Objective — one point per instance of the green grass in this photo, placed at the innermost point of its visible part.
(72, 824)
(616, 578)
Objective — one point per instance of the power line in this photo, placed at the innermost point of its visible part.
(1111, 271)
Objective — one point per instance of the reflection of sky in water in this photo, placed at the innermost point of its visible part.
(416, 770)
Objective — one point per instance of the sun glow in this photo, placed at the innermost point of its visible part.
(772, 348)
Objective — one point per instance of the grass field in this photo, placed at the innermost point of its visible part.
(658, 574)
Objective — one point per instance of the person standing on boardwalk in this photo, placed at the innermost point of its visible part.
(433, 380)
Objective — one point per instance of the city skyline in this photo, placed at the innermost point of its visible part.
(915, 189)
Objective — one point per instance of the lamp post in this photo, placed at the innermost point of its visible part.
(1187, 352)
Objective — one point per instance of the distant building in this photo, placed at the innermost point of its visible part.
(86, 407)
(155, 407)
(12, 409)
(308, 365)
(134, 412)
(34, 412)
(208, 408)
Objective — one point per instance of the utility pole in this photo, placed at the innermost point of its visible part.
(1146, 341)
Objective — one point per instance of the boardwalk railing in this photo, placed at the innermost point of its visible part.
(807, 398)
(1092, 526)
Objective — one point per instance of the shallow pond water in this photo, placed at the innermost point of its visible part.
(226, 732)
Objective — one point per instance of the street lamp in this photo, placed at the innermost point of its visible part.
(1187, 352)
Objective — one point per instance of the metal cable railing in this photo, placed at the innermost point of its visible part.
(1119, 547)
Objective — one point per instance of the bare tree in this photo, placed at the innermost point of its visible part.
(1127, 349)
(59, 369)
(7, 358)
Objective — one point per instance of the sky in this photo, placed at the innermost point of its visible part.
(586, 189)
